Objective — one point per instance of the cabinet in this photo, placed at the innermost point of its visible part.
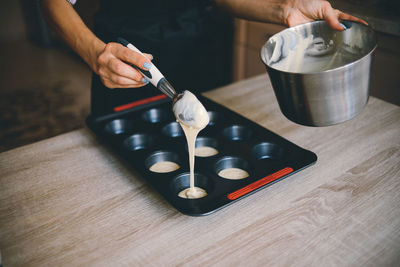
(248, 40)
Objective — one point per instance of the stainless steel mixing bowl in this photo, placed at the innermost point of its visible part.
(320, 76)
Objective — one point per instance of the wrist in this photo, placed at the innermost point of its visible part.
(89, 47)
(263, 11)
(95, 48)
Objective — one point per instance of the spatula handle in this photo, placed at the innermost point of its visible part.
(153, 75)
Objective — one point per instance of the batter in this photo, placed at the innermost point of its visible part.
(233, 173)
(191, 107)
(295, 53)
(205, 151)
(196, 193)
(164, 167)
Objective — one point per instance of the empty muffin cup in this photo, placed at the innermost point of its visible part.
(237, 133)
(182, 182)
(266, 150)
(162, 162)
(215, 117)
(232, 168)
(205, 147)
(172, 129)
(138, 141)
(155, 115)
(118, 126)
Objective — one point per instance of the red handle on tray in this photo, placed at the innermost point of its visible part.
(139, 102)
(257, 184)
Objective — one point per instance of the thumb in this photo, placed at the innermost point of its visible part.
(331, 16)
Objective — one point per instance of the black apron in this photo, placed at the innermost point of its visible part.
(191, 45)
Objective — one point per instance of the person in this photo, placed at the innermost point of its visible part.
(189, 41)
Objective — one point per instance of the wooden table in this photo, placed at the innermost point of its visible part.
(69, 201)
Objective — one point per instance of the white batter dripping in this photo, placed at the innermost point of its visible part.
(191, 106)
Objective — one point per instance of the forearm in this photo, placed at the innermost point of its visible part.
(70, 27)
(257, 10)
(287, 12)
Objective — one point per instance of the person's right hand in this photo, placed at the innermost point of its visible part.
(113, 67)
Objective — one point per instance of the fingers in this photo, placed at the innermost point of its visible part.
(332, 17)
(116, 74)
(346, 16)
(131, 56)
(120, 84)
(118, 81)
(118, 67)
(149, 56)
(114, 67)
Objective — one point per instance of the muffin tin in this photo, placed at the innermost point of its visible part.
(148, 133)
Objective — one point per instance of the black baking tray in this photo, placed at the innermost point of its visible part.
(147, 133)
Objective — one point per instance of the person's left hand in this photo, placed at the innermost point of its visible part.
(302, 11)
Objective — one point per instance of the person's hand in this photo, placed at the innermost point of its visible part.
(302, 11)
(114, 71)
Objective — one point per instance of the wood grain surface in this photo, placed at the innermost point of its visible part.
(68, 201)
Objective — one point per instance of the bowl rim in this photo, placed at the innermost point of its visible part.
(262, 55)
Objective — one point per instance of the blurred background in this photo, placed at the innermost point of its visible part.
(45, 87)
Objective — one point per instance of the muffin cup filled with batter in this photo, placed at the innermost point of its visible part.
(180, 186)
(232, 168)
(162, 162)
(206, 147)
